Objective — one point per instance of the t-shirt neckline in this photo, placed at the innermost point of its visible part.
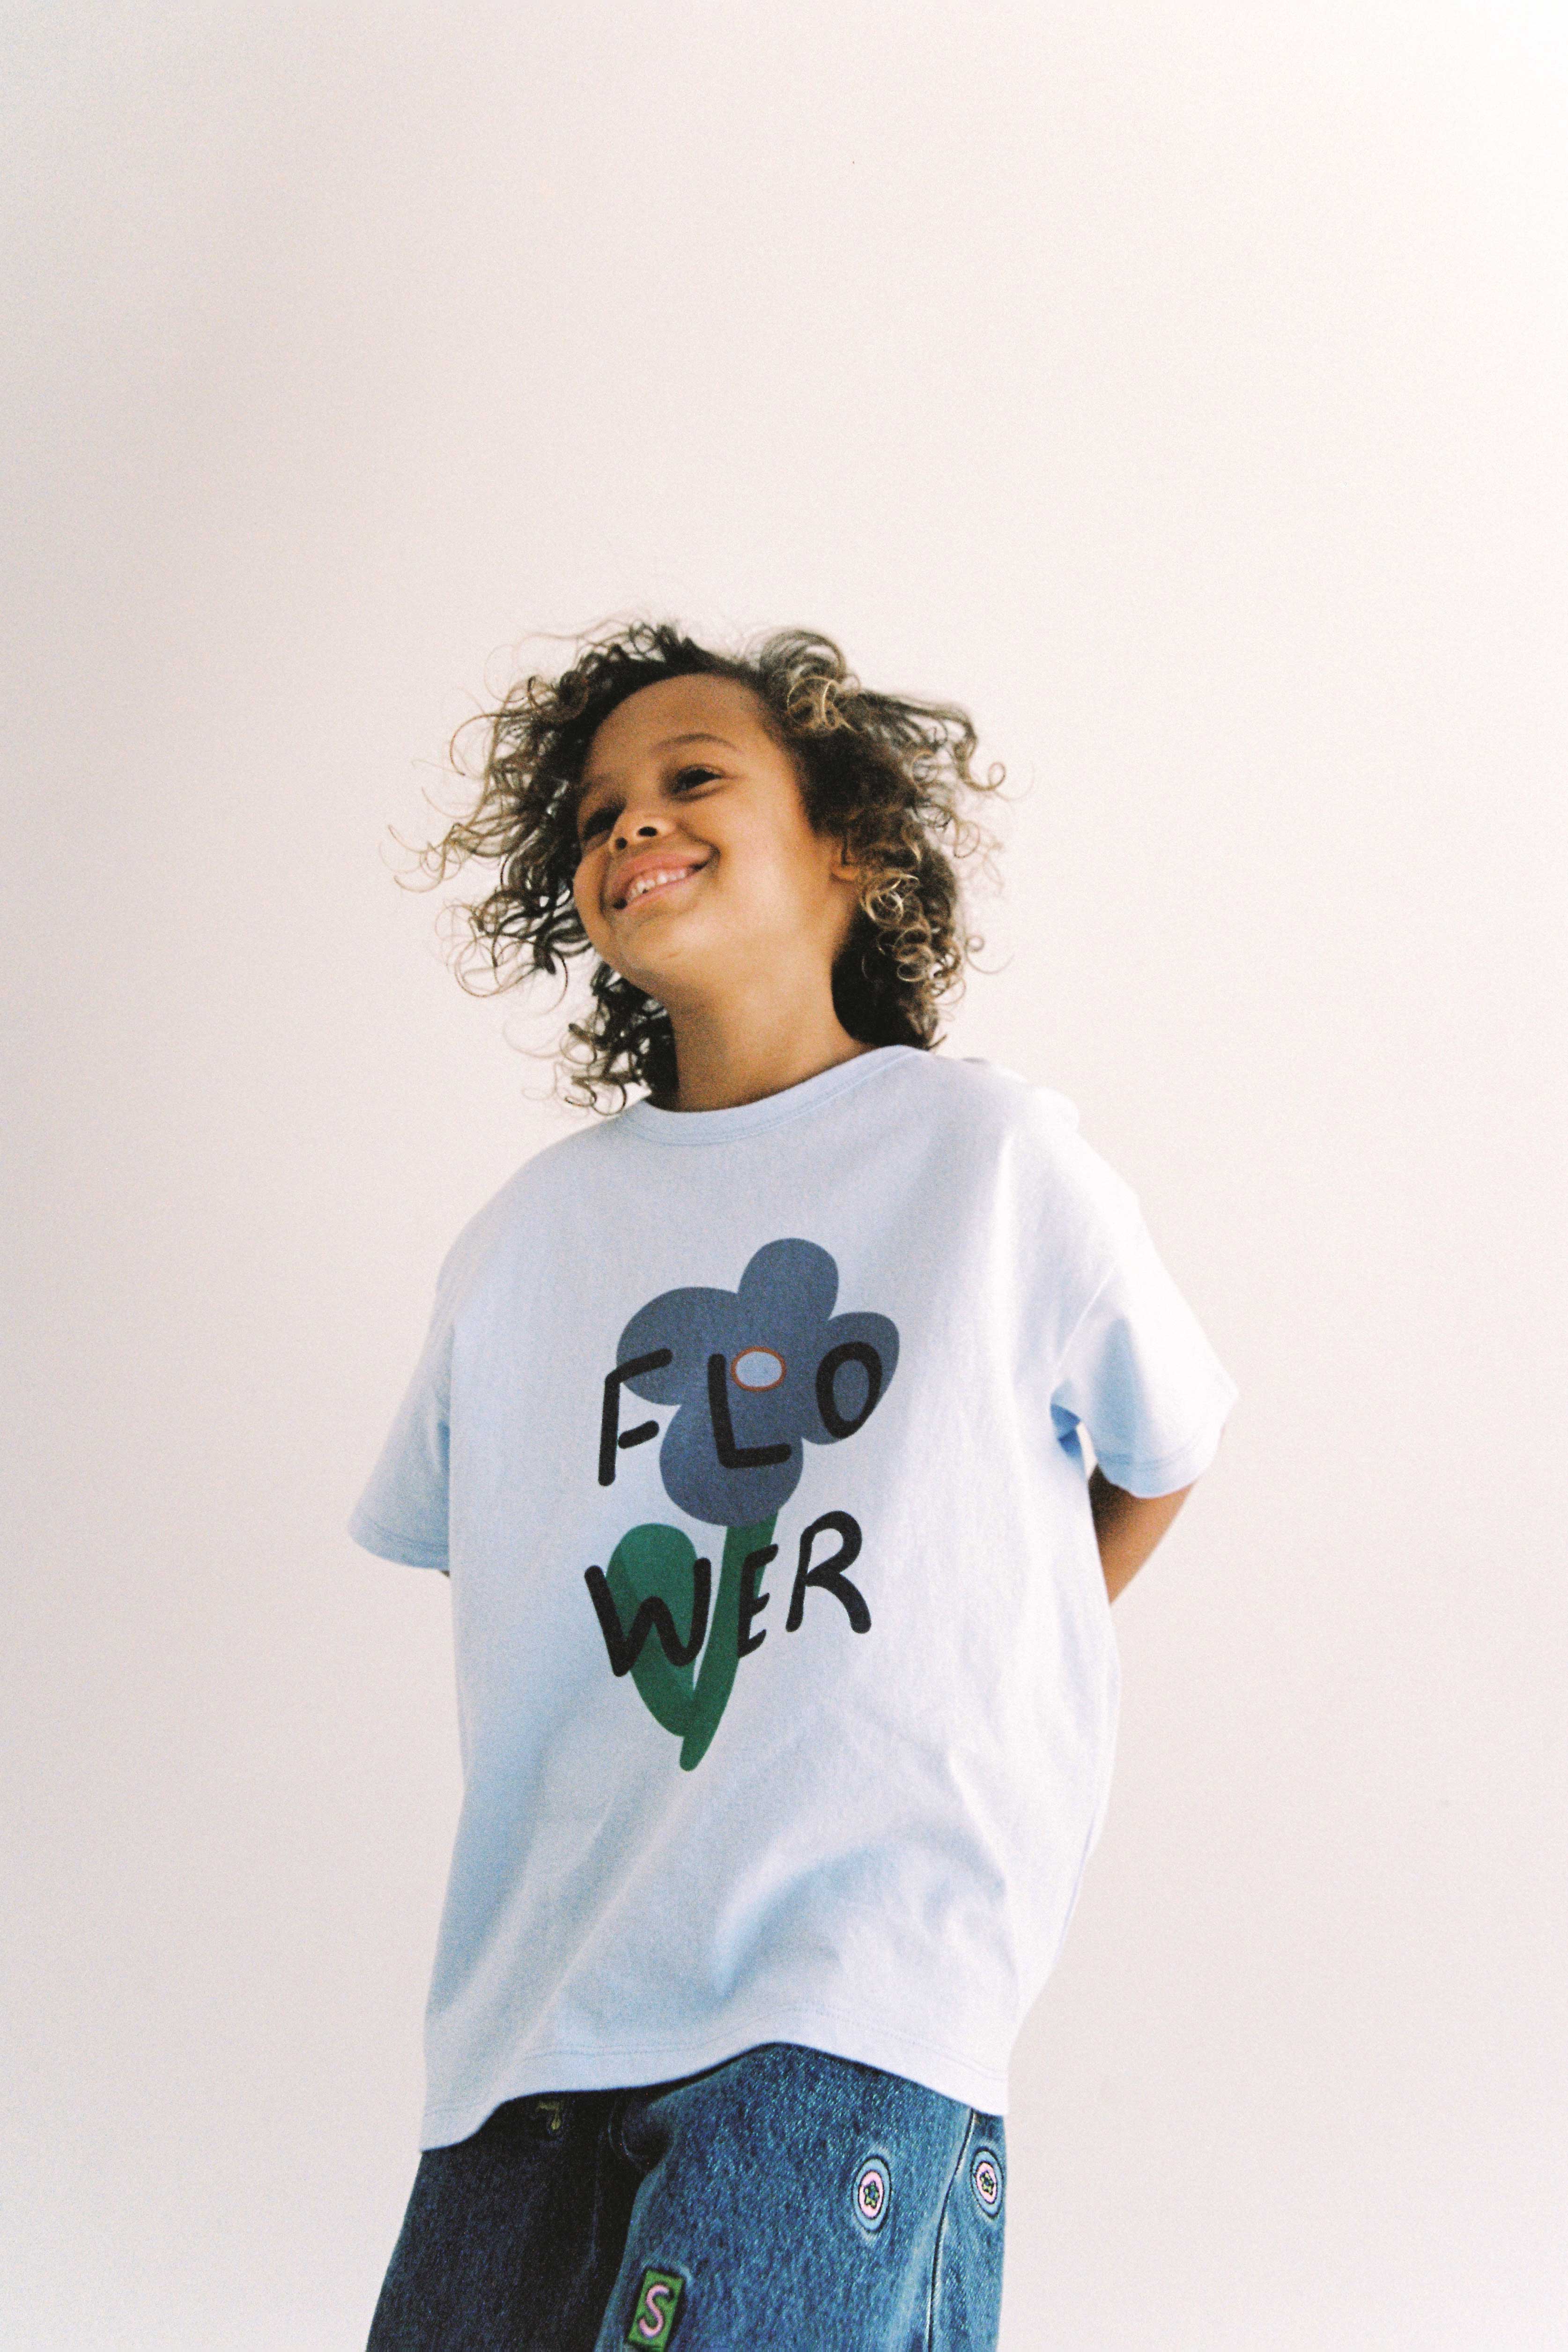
(643, 1120)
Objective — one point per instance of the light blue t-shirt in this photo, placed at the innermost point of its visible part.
(787, 1689)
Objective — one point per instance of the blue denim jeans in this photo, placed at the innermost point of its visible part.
(786, 2198)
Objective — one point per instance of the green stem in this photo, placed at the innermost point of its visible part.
(716, 1674)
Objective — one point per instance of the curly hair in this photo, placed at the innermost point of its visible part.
(884, 773)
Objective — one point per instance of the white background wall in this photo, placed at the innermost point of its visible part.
(1182, 387)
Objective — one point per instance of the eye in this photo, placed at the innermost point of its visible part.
(686, 776)
(597, 821)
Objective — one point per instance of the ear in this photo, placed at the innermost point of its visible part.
(844, 868)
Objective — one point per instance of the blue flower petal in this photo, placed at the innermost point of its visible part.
(733, 1451)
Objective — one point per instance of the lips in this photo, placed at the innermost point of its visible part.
(656, 876)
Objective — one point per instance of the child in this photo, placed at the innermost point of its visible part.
(747, 1429)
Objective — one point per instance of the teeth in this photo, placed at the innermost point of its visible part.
(646, 882)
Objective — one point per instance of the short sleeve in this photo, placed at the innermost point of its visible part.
(403, 1511)
(1139, 1376)
(402, 1514)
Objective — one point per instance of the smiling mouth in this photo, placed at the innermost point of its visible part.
(654, 879)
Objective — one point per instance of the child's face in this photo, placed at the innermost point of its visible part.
(699, 869)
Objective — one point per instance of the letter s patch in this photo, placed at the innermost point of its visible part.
(657, 2310)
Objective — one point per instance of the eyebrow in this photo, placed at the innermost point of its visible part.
(697, 735)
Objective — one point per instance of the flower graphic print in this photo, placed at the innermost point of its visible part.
(755, 1375)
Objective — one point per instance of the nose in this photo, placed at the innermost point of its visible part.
(638, 826)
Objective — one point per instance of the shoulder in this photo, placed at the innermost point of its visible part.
(1027, 1138)
(996, 1106)
(970, 1087)
(549, 1177)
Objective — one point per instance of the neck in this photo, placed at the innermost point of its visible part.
(754, 1044)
